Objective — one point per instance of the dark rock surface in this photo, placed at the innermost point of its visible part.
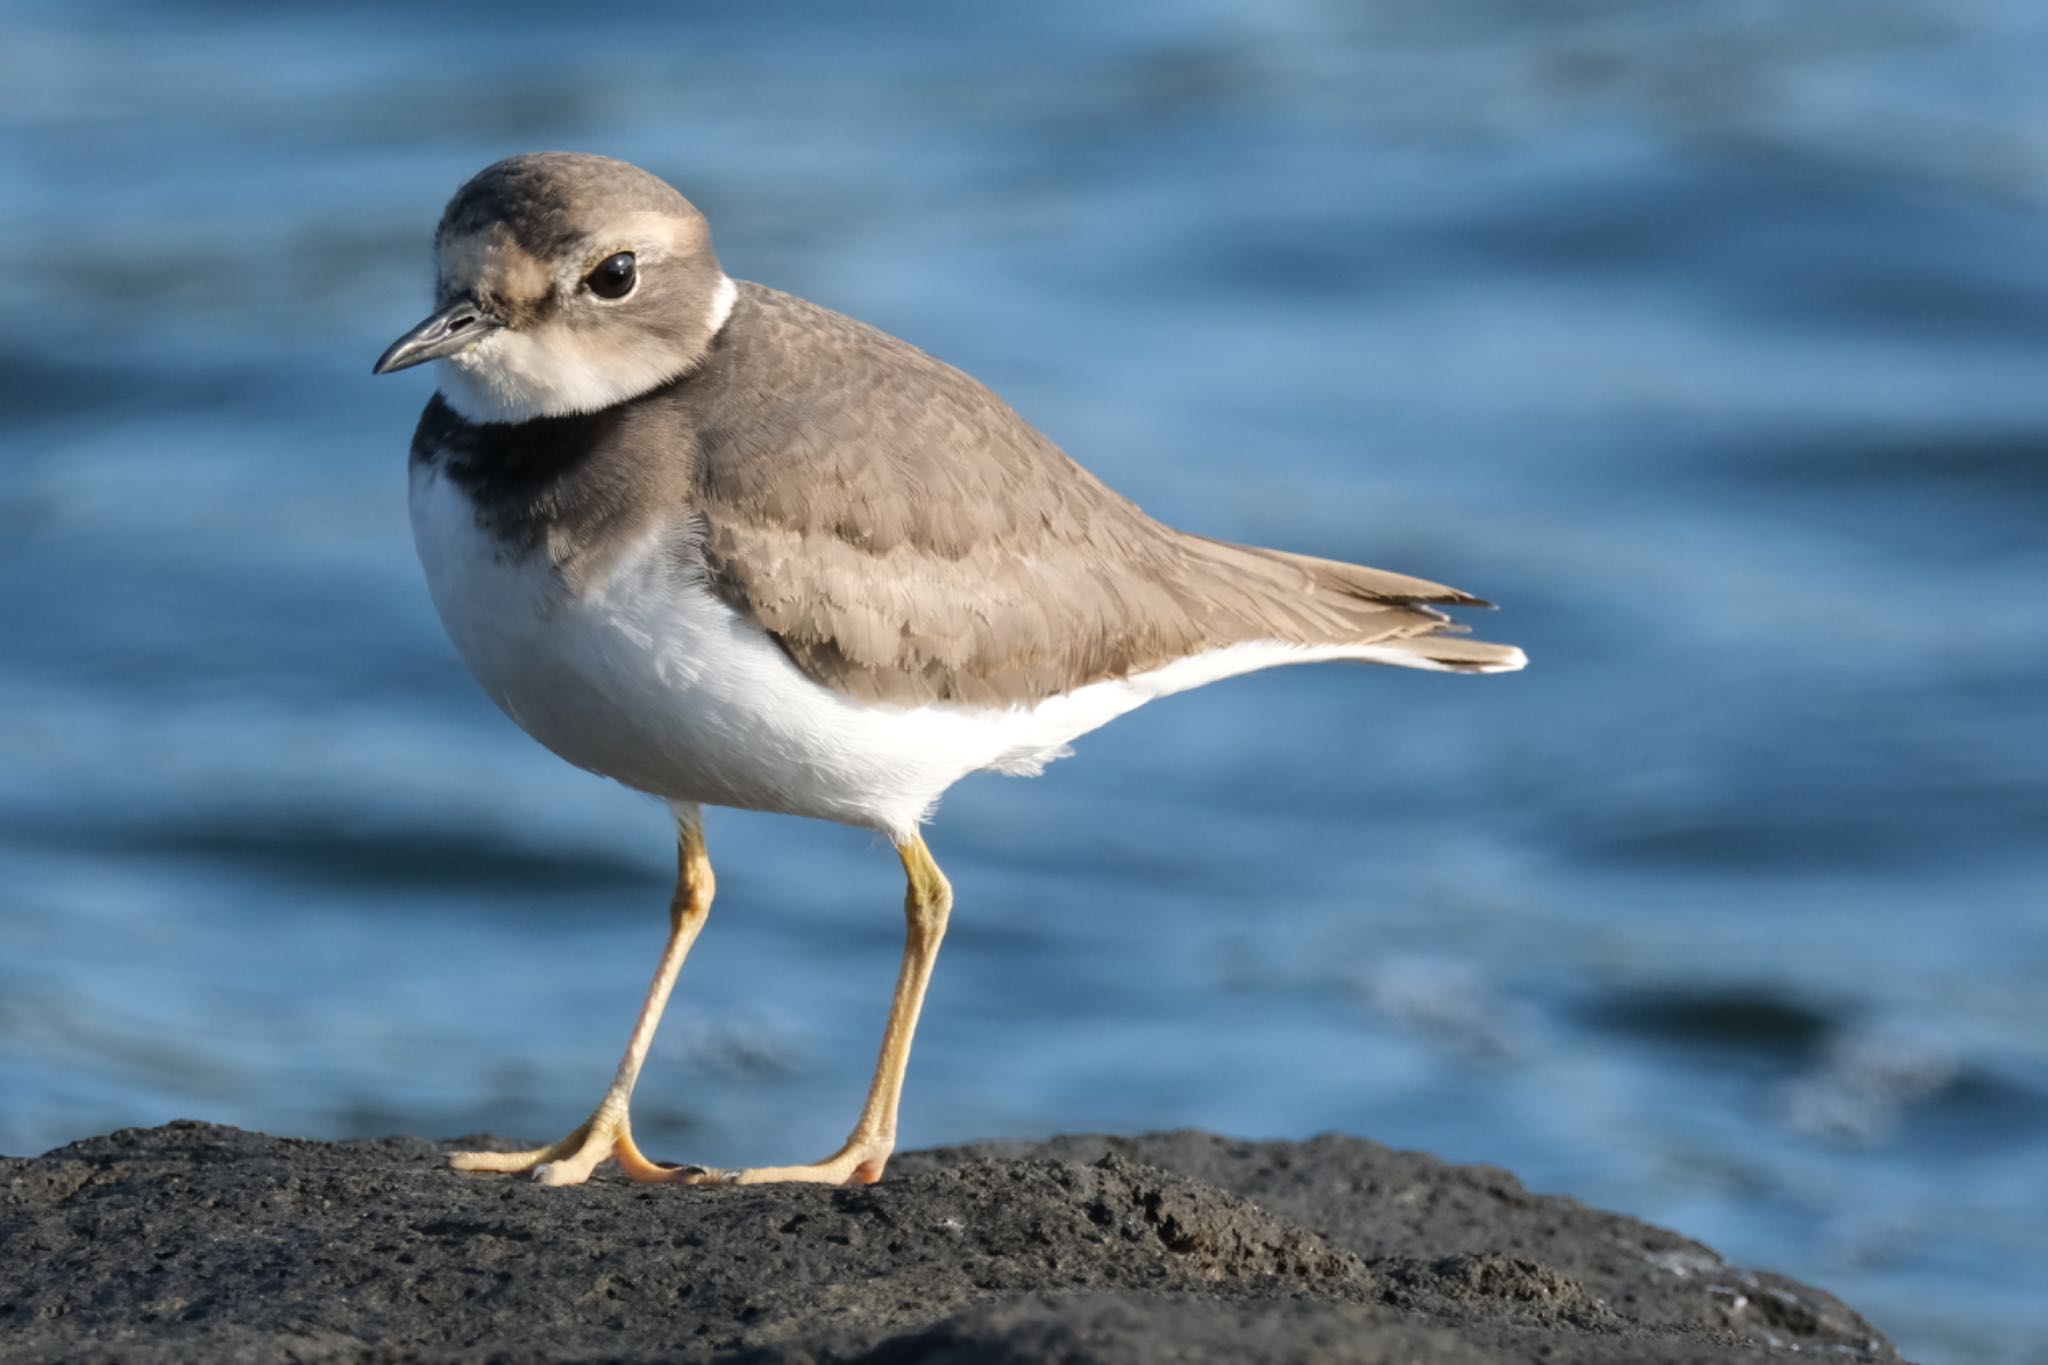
(192, 1242)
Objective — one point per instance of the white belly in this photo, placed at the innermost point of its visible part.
(648, 678)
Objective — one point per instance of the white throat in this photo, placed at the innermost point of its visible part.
(515, 376)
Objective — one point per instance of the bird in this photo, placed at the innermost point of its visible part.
(731, 548)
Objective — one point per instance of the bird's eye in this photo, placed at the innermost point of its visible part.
(614, 277)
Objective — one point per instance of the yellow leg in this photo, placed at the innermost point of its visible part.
(926, 903)
(608, 1132)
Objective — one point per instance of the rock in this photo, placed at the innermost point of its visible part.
(199, 1242)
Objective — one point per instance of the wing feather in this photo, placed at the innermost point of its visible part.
(906, 537)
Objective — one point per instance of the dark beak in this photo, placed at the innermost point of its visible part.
(457, 327)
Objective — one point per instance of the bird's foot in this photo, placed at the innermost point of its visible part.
(607, 1134)
(857, 1163)
(569, 1162)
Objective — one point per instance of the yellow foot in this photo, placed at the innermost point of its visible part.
(851, 1165)
(570, 1161)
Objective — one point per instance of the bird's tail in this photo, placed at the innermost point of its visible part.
(1334, 610)
(1444, 654)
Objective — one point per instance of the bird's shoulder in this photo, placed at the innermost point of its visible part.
(814, 421)
(901, 532)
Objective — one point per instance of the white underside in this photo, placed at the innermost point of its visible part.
(653, 681)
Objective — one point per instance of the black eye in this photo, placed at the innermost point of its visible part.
(614, 277)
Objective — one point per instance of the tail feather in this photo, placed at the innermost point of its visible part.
(1331, 609)
(1445, 653)
(1352, 580)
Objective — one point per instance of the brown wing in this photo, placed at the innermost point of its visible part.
(906, 537)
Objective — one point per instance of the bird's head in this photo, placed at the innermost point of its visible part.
(565, 283)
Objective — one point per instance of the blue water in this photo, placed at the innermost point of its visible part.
(1709, 340)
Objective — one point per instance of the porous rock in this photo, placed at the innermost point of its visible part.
(193, 1241)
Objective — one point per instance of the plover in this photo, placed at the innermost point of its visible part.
(731, 548)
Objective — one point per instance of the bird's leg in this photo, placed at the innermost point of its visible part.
(926, 903)
(608, 1132)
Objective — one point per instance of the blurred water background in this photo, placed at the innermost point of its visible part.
(1708, 339)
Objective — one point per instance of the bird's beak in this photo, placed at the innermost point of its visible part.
(455, 328)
